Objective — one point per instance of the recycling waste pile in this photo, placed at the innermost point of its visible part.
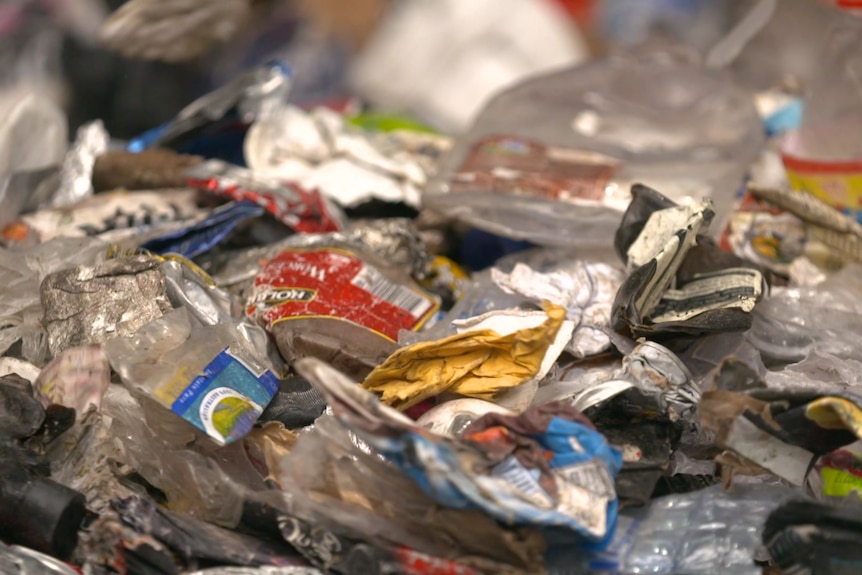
(265, 340)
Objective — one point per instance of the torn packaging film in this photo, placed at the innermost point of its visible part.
(115, 215)
(203, 236)
(249, 95)
(464, 475)
(479, 363)
(786, 433)
(78, 378)
(585, 289)
(301, 210)
(343, 305)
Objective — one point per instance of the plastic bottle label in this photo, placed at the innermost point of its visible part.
(335, 283)
(226, 399)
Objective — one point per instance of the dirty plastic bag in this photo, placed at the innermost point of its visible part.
(336, 480)
(463, 474)
(564, 148)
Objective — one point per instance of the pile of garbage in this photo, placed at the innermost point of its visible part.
(261, 339)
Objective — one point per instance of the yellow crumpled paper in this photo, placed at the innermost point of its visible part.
(477, 364)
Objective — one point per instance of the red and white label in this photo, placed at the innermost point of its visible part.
(336, 283)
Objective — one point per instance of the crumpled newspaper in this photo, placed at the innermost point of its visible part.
(477, 364)
(585, 289)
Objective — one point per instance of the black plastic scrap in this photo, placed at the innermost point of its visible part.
(703, 258)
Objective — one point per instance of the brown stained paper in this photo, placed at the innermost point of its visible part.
(475, 364)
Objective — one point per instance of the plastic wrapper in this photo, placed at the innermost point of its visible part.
(113, 217)
(454, 416)
(77, 172)
(209, 488)
(251, 95)
(34, 132)
(210, 376)
(565, 166)
(795, 321)
(781, 430)
(491, 482)
(779, 229)
(91, 304)
(78, 378)
(19, 367)
(299, 209)
(25, 191)
(840, 474)
(204, 235)
(395, 240)
(481, 293)
(339, 302)
(87, 458)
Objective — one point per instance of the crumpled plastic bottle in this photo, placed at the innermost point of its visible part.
(824, 157)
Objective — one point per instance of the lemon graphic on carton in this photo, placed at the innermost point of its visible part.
(233, 417)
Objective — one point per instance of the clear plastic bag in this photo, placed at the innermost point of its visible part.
(529, 169)
(722, 535)
(201, 380)
(795, 321)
